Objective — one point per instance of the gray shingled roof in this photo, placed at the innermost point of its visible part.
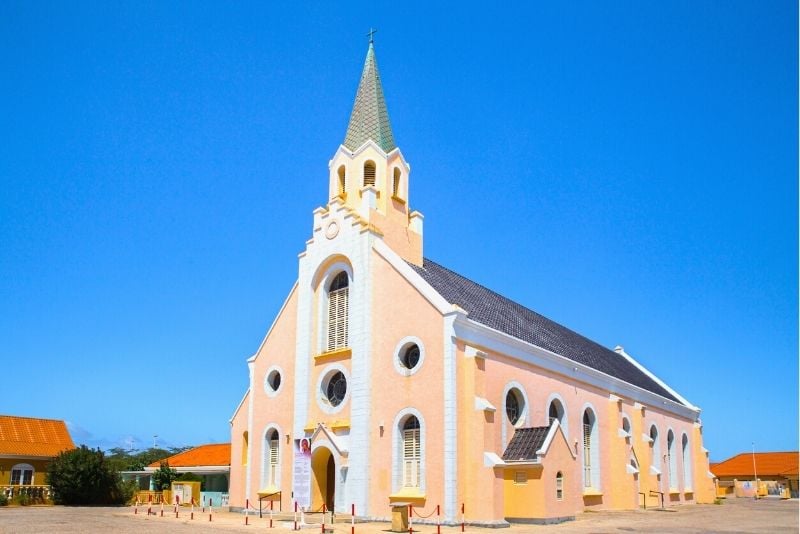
(498, 312)
(525, 443)
(370, 118)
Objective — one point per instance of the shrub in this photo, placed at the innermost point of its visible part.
(81, 476)
(162, 479)
(3, 499)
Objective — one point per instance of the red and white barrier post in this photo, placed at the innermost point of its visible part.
(410, 517)
(438, 521)
(210, 506)
(192, 516)
(295, 515)
(324, 509)
(353, 519)
(162, 507)
(271, 503)
(462, 517)
(177, 500)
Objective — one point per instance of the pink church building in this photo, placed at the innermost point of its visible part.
(417, 385)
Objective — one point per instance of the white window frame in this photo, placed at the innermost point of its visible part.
(398, 464)
(564, 421)
(271, 471)
(592, 452)
(686, 457)
(23, 469)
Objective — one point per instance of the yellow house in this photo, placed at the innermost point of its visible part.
(27, 445)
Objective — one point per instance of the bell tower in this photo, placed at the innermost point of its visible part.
(369, 175)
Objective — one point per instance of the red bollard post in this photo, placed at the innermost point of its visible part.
(353, 519)
(410, 516)
(323, 518)
(462, 517)
(271, 506)
(295, 515)
(246, 510)
(210, 506)
(438, 522)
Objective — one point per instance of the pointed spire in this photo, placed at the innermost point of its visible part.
(369, 119)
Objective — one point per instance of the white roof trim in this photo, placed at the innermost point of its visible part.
(473, 332)
(280, 312)
(244, 397)
(335, 441)
(657, 380)
(405, 270)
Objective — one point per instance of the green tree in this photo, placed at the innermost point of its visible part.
(82, 476)
(163, 477)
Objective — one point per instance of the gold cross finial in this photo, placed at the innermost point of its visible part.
(370, 34)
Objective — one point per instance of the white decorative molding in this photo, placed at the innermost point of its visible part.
(482, 404)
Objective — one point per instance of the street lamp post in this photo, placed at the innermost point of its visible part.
(755, 474)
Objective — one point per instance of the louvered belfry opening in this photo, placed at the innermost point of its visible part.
(342, 181)
(369, 173)
(411, 453)
(337, 312)
(396, 183)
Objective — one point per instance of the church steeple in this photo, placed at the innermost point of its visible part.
(368, 175)
(369, 119)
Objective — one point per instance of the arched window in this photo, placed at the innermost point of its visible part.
(555, 412)
(687, 463)
(22, 474)
(515, 404)
(626, 428)
(271, 458)
(591, 450)
(396, 183)
(672, 460)
(369, 173)
(655, 447)
(245, 445)
(559, 486)
(335, 388)
(337, 312)
(411, 453)
(342, 181)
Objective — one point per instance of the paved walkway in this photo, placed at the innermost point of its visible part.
(734, 515)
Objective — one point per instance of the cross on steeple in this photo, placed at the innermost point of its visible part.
(370, 34)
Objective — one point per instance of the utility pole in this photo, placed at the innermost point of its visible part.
(155, 437)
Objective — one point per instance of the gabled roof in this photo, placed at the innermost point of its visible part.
(500, 313)
(525, 443)
(211, 454)
(30, 436)
(766, 464)
(370, 118)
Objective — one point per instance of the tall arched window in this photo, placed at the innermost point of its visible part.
(655, 448)
(514, 405)
(342, 181)
(271, 458)
(555, 412)
(672, 460)
(687, 463)
(369, 173)
(337, 312)
(245, 445)
(588, 444)
(411, 453)
(396, 183)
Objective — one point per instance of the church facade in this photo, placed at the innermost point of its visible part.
(416, 385)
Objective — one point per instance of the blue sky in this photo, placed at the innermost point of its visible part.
(628, 169)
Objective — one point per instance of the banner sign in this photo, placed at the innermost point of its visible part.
(302, 472)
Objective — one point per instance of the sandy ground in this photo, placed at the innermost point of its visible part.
(734, 515)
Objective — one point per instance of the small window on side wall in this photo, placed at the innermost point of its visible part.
(396, 183)
(369, 173)
(559, 486)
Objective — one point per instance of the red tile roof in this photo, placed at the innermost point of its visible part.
(30, 436)
(767, 464)
(211, 454)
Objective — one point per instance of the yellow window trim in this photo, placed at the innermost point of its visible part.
(592, 492)
(341, 424)
(408, 496)
(333, 355)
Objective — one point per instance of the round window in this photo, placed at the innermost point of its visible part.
(336, 388)
(272, 381)
(410, 356)
(514, 405)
